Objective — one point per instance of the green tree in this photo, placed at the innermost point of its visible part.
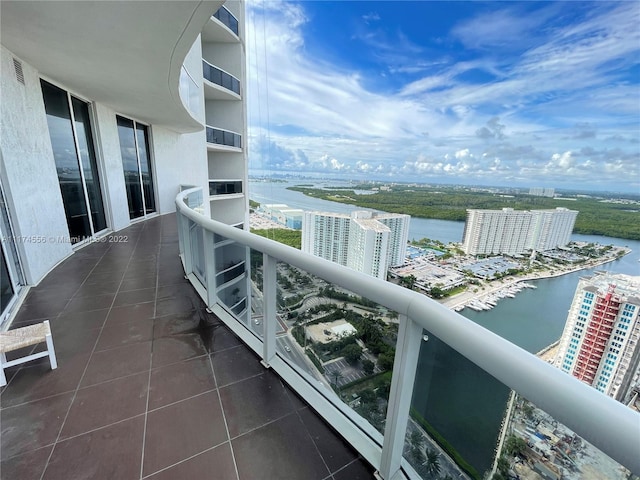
(432, 465)
(503, 466)
(352, 353)
(514, 445)
(416, 440)
(385, 361)
(367, 366)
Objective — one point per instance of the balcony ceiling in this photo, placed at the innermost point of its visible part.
(127, 55)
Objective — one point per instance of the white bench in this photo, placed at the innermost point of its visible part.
(23, 337)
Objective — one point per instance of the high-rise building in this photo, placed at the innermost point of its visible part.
(326, 235)
(398, 237)
(368, 245)
(552, 228)
(365, 241)
(599, 344)
(513, 232)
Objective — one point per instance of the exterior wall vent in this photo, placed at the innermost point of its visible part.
(18, 68)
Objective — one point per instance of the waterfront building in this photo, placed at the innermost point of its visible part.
(283, 214)
(326, 235)
(514, 232)
(542, 192)
(599, 344)
(399, 235)
(368, 245)
(552, 228)
(368, 242)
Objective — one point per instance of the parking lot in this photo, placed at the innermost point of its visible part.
(342, 371)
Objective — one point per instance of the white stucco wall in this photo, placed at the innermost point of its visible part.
(179, 160)
(28, 172)
(226, 56)
(108, 150)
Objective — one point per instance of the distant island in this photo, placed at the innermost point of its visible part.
(599, 215)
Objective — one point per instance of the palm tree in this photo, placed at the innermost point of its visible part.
(416, 440)
(432, 464)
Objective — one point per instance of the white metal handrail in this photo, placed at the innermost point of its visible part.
(607, 424)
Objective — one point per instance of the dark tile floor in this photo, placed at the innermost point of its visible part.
(149, 385)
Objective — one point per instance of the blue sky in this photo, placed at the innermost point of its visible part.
(483, 93)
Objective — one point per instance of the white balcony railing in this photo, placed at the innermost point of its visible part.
(607, 424)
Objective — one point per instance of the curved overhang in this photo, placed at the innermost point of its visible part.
(125, 54)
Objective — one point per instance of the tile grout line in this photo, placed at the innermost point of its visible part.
(186, 459)
(224, 418)
(306, 428)
(155, 306)
(91, 355)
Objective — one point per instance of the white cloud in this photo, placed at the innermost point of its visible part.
(463, 153)
(552, 109)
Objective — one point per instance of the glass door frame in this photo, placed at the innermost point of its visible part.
(98, 158)
(12, 260)
(152, 166)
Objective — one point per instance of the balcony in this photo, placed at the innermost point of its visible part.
(380, 432)
(150, 385)
(223, 140)
(224, 188)
(220, 85)
(223, 27)
(227, 19)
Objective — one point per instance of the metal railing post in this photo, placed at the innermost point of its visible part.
(187, 254)
(402, 382)
(180, 220)
(269, 291)
(209, 266)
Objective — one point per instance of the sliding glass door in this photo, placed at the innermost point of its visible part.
(136, 164)
(73, 150)
(11, 276)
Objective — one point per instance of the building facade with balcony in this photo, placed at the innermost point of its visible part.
(514, 232)
(92, 129)
(599, 344)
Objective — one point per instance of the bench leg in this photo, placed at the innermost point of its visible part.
(3, 379)
(52, 352)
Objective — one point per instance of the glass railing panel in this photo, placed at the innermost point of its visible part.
(257, 293)
(195, 201)
(189, 91)
(343, 341)
(230, 274)
(220, 77)
(227, 18)
(466, 424)
(533, 441)
(197, 251)
(233, 295)
(223, 137)
(456, 412)
(225, 187)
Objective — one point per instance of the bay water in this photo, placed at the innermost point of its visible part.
(462, 402)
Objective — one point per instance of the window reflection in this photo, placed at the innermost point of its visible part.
(69, 156)
(136, 165)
